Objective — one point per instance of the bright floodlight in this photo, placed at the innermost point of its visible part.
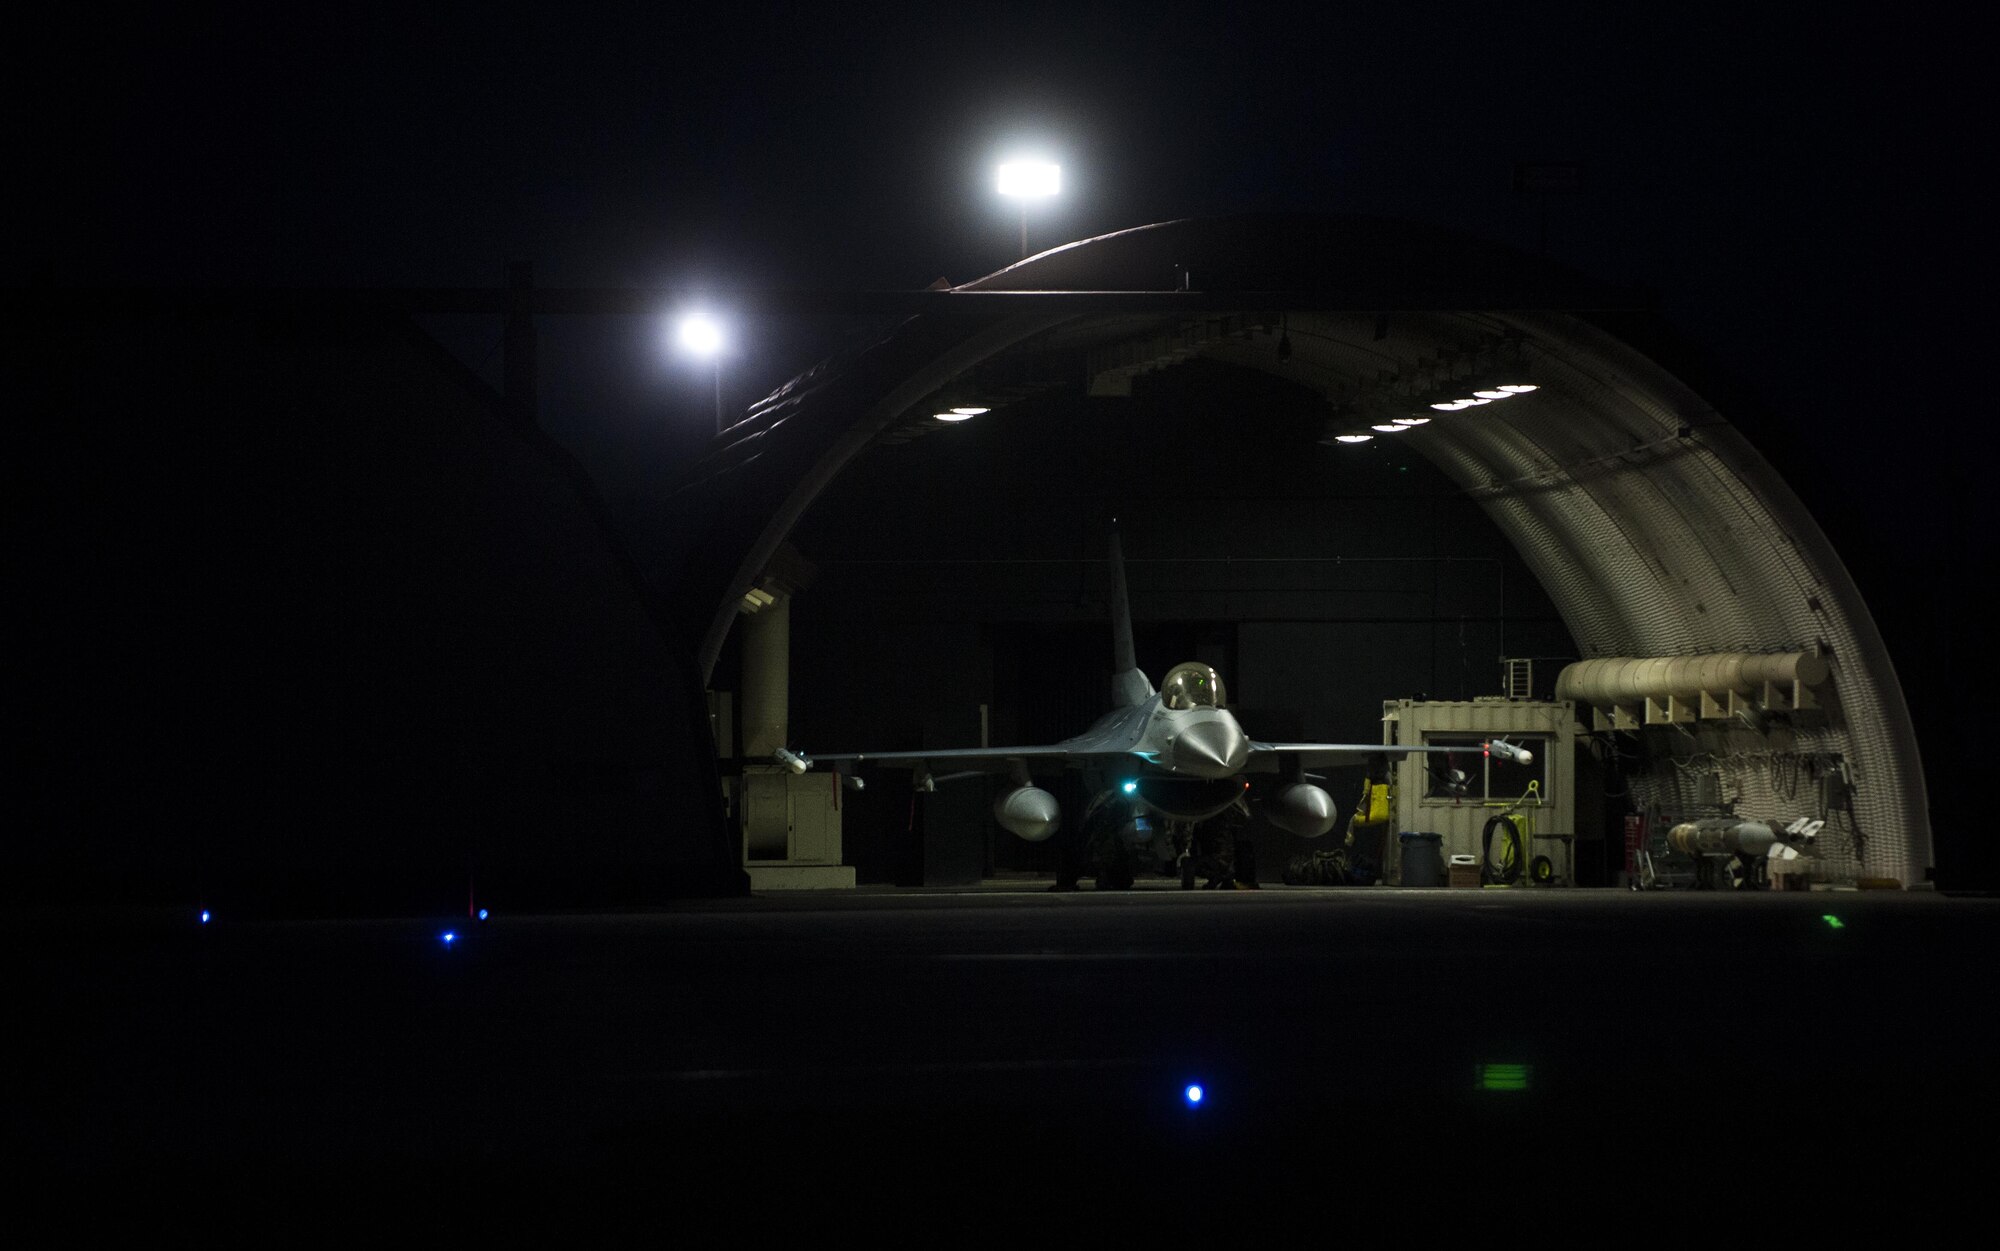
(1411, 421)
(1352, 438)
(951, 416)
(1519, 388)
(700, 334)
(1501, 394)
(1030, 178)
(971, 412)
(1390, 428)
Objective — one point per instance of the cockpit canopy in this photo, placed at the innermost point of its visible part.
(1192, 685)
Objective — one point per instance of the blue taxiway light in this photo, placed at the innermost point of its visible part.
(1130, 787)
(204, 916)
(482, 914)
(449, 937)
(1193, 1093)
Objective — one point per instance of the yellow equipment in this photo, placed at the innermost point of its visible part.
(1374, 806)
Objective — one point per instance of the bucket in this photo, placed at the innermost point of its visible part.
(1423, 859)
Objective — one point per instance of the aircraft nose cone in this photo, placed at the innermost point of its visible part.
(1210, 749)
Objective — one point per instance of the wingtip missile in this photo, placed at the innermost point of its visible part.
(1508, 751)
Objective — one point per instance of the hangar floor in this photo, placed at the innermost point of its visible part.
(1030, 1044)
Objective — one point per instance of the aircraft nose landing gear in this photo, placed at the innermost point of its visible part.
(1220, 851)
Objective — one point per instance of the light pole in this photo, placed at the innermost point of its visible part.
(1029, 180)
(701, 336)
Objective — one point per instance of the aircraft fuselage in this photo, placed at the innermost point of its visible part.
(1184, 764)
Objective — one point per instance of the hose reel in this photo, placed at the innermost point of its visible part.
(1508, 871)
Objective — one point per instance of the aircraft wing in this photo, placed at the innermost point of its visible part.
(1111, 739)
(969, 759)
(1264, 756)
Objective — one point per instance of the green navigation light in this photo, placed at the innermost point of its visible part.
(1832, 921)
(1504, 1076)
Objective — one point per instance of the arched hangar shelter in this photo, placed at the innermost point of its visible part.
(1723, 644)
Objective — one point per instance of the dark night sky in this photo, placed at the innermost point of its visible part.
(1776, 182)
(1735, 160)
(637, 144)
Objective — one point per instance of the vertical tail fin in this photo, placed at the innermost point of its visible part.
(1128, 685)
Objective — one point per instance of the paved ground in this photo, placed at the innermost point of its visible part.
(1026, 1043)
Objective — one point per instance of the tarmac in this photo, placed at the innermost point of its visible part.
(1516, 1045)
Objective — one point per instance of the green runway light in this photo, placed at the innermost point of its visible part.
(1504, 1076)
(1832, 921)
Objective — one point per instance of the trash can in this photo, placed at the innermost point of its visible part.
(1423, 859)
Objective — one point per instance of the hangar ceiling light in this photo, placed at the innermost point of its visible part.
(1485, 395)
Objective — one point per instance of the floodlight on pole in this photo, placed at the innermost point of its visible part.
(700, 335)
(1029, 180)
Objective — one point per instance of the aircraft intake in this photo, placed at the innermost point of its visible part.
(1300, 808)
(1028, 812)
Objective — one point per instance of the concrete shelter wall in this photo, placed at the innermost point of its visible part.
(314, 627)
(1646, 539)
